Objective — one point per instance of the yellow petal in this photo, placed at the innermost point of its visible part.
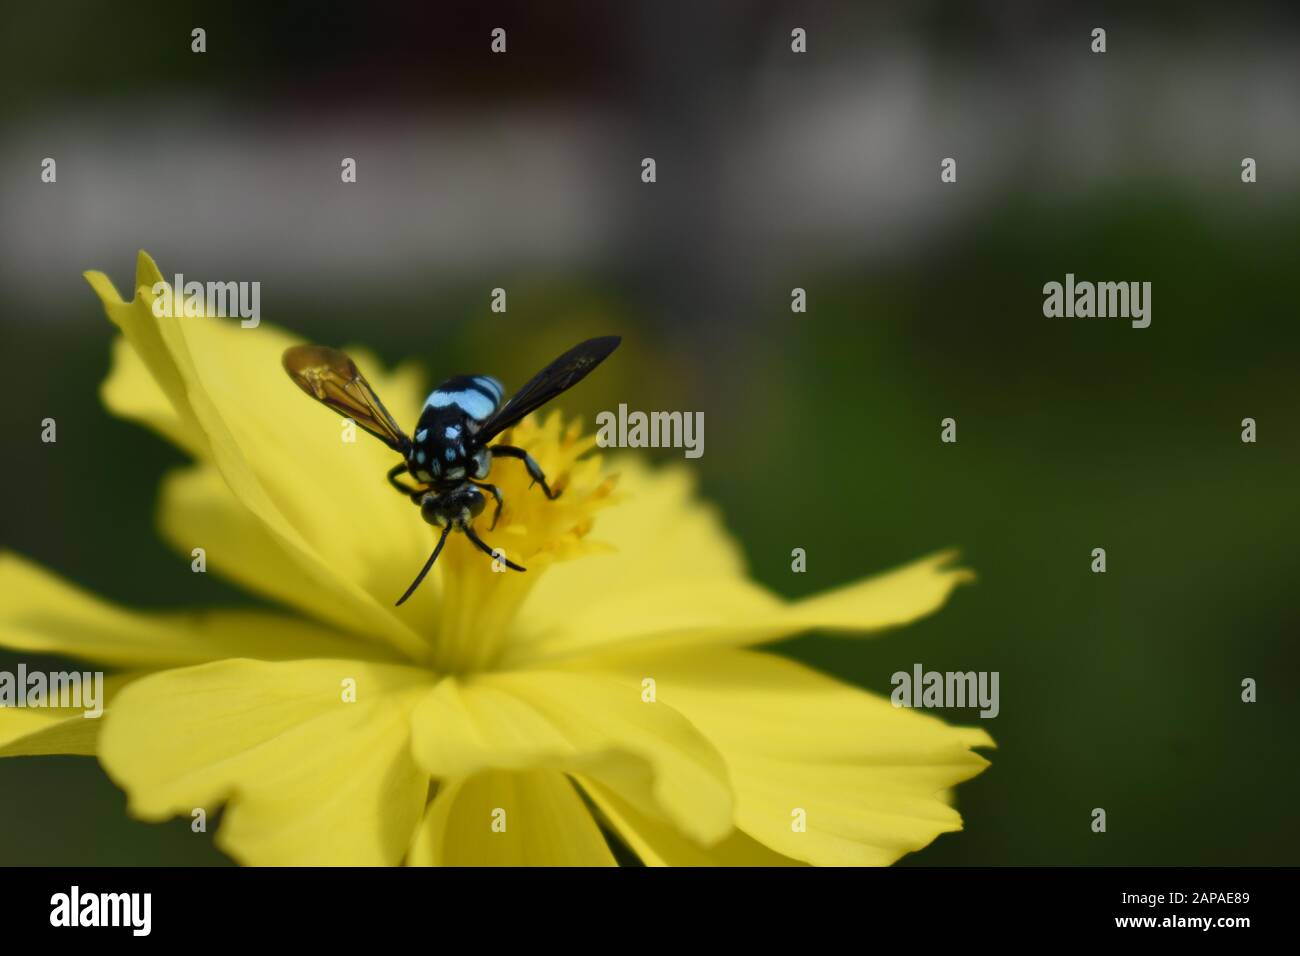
(26, 733)
(130, 392)
(644, 752)
(308, 778)
(525, 818)
(657, 844)
(869, 778)
(136, 390)
(887, 600)
(43, 614)
(196, 508)
(676, 580)
(324, 500)
(43, 731)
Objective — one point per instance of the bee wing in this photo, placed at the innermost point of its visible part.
(561, 375)
(333, 379)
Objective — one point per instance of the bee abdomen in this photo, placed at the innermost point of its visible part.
(476, 395)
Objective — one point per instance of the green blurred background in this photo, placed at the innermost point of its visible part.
(1119, 690)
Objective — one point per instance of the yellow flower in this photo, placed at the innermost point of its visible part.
(495, 717)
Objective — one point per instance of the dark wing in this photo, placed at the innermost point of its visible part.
(562, 374)
(332, 378)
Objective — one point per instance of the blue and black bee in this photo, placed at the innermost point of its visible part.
(450, 455)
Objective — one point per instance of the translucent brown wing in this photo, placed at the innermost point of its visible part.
(333, 379)
(562, 374)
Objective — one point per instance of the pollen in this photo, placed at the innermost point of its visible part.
(479, 597)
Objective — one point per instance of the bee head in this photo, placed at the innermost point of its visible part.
(457, 507)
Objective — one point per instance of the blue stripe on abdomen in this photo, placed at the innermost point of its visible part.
(470, 400)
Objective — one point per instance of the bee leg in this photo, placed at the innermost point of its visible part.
(427, 565)
(495, 492)
(403, 488)
(534, 469)
(483, 546)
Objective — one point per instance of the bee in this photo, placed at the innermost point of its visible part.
(450, 456)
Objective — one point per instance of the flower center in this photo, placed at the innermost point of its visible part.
(479, 595)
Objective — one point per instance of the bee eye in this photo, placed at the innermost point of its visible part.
(430, 511)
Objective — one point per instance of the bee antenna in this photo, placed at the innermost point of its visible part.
(483, 546)
(427, 565)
